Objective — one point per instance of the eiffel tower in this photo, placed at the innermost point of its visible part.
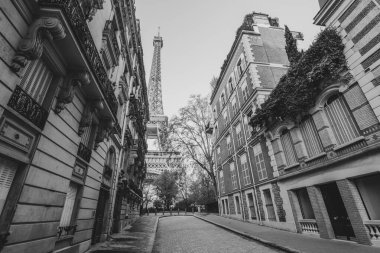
(157, 159)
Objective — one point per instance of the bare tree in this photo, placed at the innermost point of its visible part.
(188, 135)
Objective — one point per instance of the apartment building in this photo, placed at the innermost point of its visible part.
(73, 109)
(246, 169)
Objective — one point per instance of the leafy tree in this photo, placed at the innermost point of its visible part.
(291, 47)
(166, 187)
(202, 190)
(147, 194)
(188, 135)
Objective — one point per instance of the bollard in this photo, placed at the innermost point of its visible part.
(178, 211)
(171, 212)
(155, 211)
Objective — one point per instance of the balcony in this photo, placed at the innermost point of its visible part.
(84, 152)
(107, 173)
(76, 19)
(26, 106)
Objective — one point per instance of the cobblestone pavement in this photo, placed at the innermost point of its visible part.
(191, 235)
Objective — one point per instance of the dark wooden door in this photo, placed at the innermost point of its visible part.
(99, 216)
(337, 212)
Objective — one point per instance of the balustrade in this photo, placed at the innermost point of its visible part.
(84, 152)
(309, 226)
(373, 228)
(25, 105)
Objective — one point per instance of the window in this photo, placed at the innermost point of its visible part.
(247, 127)
(340, 120)
(36, 80)
(369, 188)
(244, 90)
(231, 84)
(234, 105)
(239, 135)
(225, 118)
(229, 145)
(310, 137)
(269, 205)
(215, 114)
(239, 68)
(69, 208)
(233, 175)
(223, 99)
(221, 182)
(251, 206)
(287, 145)
(218, 155)
(305, 205)
(237, 205)
(244, 168)
(259, 161)
(7, 173)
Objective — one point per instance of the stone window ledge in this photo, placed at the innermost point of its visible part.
(360, 138)
(315, 157)
(291, 166)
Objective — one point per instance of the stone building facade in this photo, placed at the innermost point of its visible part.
(73, 111)
(246, 169)
(322, 169)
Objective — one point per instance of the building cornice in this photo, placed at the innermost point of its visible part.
(326, 12)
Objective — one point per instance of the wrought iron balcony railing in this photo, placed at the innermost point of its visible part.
(77, 21)
(25, 105)
(66, 230)
(84, 152)
(107, 173)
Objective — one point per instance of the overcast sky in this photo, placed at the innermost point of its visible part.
(198, 34)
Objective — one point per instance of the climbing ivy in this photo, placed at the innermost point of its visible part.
(320, 66)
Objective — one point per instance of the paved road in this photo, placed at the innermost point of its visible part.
(191, 235)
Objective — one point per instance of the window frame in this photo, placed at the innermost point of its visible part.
(245, 169)
(260, 162)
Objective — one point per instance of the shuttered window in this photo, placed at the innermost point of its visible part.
(221, 181)
(310, 137)
(7, 174)
(259, 161)
(340, 120)
(36, 80)
(287, 145)
(233, 175)
(244, 168)
(68, 208)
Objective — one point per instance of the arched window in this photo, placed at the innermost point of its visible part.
(287, 145)
(340, 119)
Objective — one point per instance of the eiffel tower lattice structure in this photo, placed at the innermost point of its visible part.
(157, 160)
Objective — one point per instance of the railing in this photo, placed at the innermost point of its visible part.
(109, 31)
(78, 24)
(107, 173)
(309, 226)
(25, 105)
(67, 230)
(84, 152)
(373, 228)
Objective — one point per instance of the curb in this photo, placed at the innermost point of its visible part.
(153, 237)
(260, 240)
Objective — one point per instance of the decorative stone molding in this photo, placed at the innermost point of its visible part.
(31, 47)
(104, 130)
(67, 91)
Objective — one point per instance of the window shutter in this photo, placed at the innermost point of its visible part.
(288, 149)
(7, 174)
(69, 205)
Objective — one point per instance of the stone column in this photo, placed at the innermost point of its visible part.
(296, 210)
(355, 210)
(326, 230)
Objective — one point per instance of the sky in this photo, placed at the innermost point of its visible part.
(198, 34)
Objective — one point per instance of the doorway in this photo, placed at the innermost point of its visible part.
(99, 216)
(269, 205)
(251, 206)
(337, 212)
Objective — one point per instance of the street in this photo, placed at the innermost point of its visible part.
(189, 234)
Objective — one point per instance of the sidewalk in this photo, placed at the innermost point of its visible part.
(287, 241)
(138, 238)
